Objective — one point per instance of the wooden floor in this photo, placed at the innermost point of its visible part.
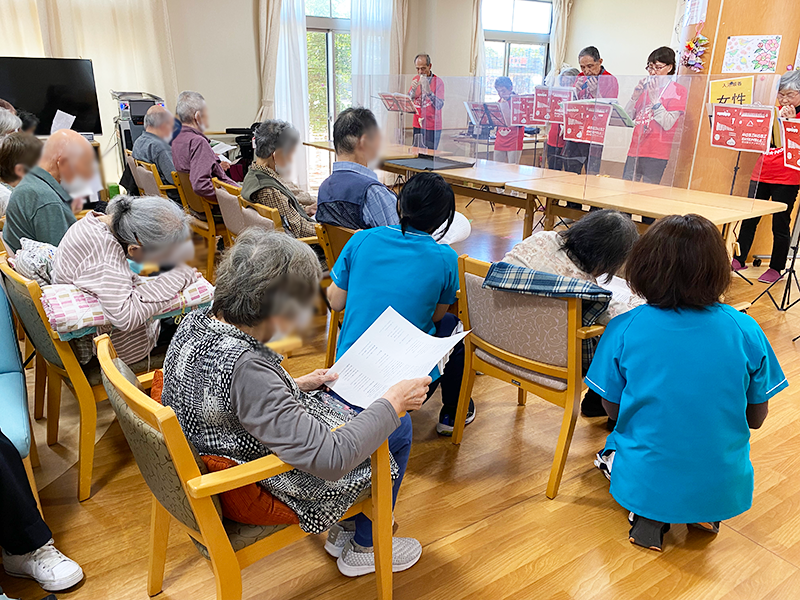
(480, 511)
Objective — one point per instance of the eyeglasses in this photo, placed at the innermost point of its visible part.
(789, 94)
(655, 67)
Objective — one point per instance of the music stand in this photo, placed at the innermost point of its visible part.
(791, 276)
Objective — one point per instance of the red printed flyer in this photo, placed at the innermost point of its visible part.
(522, 108)
(791, 143)
(586, 122)
(746, 128)
(549, 101)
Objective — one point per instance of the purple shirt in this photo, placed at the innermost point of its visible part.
(192, 153)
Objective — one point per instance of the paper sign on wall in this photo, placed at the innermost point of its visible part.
(586, 122)
(522, 109)
(790, 129)
(695, 11)
(549, 101)
(745, 128)
(751, 54)
(734, 90)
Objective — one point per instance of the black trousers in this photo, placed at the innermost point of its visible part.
(781, 222)
(453, 370)
(22, 528)
(576, 154)
(554, 160)
(646, 169)
(430, 137)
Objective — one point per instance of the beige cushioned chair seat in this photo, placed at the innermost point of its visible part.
(199, 223)
(524, 374)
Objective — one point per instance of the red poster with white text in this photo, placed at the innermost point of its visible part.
(586, 122)
(549, 101)
(791, 143)
(522, 109)
(745, 127)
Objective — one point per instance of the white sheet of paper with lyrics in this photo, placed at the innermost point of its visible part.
(391, 350)
(62, 120)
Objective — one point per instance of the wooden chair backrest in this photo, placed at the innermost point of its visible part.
(265, 211)
(147, 179)
(129, 160)
(333, 239)
(188, 196)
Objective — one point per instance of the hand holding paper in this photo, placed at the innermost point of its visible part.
(390, 351)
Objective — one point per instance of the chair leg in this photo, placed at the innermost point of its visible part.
(29, 471)
(53, 404)
(34, 451)
(39, 387)
(467, 383)
(88, 428)
(562, 446)
(333, 332)
(212, 252)
(159, 536)
(382, 520)
(28, 351)
(522, 397)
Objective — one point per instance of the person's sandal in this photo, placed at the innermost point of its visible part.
(647, 533)
(709, 527)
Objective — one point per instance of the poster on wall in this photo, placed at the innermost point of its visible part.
(744, 128)
(549, 102)
(734, 90)
(790, 130)
(586, 122)
(751, 54)
(522, 109)
(695, 12)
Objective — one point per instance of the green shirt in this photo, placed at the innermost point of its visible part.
(39, 209)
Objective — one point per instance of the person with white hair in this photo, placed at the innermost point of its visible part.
(267, 181)
(42, 206)
(9, 122)
(772, 179)
(93, 256)
(191, 149)
(153, 146)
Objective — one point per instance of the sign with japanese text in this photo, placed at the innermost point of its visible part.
(745, 128)
(522, 108)
(735, 90)
(549, 102)
(586, 122)
(790, 128)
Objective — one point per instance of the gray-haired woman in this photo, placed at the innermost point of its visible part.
(267, 180)
(266, 286)
(93, 256)
(9, 122)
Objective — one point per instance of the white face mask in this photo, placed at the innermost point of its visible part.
(198, 118)
(169, 257)
(302, 322)
(284, 170)
(167, 138)
(78, 187)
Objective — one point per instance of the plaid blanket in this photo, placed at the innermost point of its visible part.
(510, 278)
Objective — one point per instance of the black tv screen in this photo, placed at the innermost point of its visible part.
(44, 85)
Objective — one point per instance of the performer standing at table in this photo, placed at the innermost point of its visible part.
(555, 136)
(508, 140)
(427, 92)
(655, 106)
(593, 82)
(772, 179)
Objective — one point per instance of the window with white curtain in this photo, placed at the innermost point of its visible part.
(329, 75)
(517, 37)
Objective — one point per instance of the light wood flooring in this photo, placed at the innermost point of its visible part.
(480, 511)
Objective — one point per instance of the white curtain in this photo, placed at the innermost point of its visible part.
(370, 36)
(291, 80)
(477, 54)
(398, 40)
(269, 31)
(558, 38)
(20, 34)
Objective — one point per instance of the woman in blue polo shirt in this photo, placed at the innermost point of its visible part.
(686, 377)
(404, 267)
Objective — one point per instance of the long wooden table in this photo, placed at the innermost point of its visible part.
(489, 180)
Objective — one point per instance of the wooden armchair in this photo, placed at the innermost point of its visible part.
(184, 491)
(236, 217)
(532, 342)
(203, 224)
(275, 216)
(60, 363)
(148, 178)
(333, 239)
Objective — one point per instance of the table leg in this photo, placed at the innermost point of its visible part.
(527, 225)
(730, 239)
(549, 217)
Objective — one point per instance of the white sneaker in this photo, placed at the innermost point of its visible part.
(338, 537)
(47, 565)
(604, 460)
(353, 562)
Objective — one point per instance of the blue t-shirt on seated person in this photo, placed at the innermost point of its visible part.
(683, 380)
(382, 267)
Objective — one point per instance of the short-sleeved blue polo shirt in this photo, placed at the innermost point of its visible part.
(683, 380)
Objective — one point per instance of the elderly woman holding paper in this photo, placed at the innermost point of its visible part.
(93, 256)
(266, 287)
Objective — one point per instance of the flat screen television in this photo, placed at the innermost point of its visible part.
(44, 85)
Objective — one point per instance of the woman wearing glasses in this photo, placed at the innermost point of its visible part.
(656, 106)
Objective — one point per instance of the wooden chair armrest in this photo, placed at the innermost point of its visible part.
(148, 269)
(146, 379)
(584, 333)
(742, 306)
(163, 187)
(309, 240)
(236, 477)
(286, 345)
(82, 214)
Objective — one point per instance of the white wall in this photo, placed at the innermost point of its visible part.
(216, 53)
(440, 28)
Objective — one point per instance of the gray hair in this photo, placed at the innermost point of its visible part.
(790, 81)
(265, 274)
(275, 134)
(9, 122)
(590, 51)
(566, 73)
(156, 118)
(427, 58)
(189, 104)
(148, 221)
